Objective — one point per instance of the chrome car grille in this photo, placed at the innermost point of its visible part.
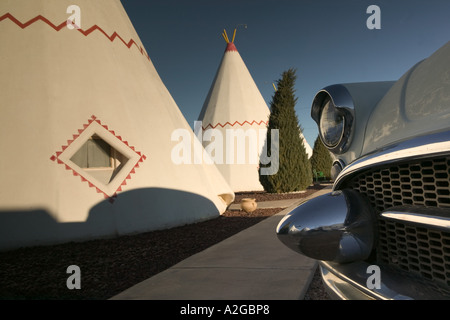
(423, 183)
(415, 249)
(420, 249)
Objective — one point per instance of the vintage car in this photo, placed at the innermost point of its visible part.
(384, 230)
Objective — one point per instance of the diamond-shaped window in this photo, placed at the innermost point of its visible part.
(102, 161)
(100, 157)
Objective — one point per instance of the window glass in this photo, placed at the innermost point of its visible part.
(95, 153)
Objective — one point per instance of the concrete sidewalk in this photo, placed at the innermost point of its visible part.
(251, 265)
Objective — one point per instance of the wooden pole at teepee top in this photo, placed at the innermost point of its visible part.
(224, 34)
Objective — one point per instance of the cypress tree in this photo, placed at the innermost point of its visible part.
(294, 173)
(321, 159)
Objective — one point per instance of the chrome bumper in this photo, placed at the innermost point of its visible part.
(349, 282)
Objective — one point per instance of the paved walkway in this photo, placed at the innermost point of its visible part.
(251, 265)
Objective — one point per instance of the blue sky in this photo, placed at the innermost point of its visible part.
(326, 41)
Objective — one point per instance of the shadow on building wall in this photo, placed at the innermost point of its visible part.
(134, 211)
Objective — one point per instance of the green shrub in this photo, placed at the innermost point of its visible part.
(294, 173)
(321, 160)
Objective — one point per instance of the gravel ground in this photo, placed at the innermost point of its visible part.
(316, 290)
(109, 266)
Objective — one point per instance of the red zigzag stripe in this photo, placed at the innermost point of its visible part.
(236, 122)
(84, 32)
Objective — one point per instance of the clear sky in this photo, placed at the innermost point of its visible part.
(327, 41)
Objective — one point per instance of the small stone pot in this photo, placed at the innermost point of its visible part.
(248, 204)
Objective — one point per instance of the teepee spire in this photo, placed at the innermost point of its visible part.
(225, 36)
(230, 44)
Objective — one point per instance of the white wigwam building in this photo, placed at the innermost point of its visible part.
(234, 103)
(309, 150)
(85, 130)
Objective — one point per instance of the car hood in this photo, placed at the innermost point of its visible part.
(418, 103)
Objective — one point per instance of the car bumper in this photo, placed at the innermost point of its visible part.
(350, 282)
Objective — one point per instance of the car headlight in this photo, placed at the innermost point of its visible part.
(331, 124)
(333, 112)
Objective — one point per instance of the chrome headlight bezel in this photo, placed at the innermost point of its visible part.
(339, 100)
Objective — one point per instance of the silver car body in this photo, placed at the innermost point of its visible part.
(390, 205)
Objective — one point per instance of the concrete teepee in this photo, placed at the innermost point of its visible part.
(234, 104)
(309, 150)
(85, 130)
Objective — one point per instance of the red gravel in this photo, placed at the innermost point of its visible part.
(109, 266)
